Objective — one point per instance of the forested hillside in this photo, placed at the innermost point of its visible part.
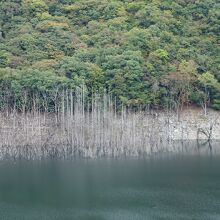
(146, 52)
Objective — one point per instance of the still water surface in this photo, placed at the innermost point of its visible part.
(177, 187)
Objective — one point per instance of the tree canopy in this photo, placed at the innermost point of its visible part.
(146, 52)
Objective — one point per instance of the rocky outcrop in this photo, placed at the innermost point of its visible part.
(193, 124)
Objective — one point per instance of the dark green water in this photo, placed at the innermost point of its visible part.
(180, 187)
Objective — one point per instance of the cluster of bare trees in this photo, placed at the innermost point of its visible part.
(82, 126)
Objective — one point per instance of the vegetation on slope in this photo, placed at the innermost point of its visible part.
(146, 52)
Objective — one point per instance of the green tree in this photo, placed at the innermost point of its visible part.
(209, 86)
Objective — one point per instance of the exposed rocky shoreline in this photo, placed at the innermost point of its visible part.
(98, 134)
(193, 125)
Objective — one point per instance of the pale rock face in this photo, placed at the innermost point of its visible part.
(194, 125)
(96, 135)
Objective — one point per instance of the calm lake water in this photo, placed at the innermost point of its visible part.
(172, 187)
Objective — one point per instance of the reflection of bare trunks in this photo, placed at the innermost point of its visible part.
(205, 145)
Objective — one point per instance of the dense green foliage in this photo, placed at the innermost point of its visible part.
(146, 52)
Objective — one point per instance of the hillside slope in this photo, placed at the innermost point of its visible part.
(156, 52)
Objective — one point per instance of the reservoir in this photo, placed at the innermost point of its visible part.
(156, 187)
